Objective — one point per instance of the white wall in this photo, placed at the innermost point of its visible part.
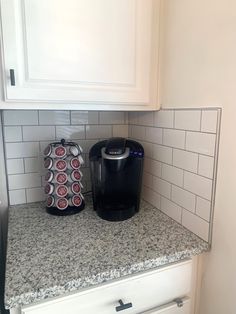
(199, 58)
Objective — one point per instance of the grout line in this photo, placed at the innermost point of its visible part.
(201, 120)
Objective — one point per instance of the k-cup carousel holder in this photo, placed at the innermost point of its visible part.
(63, 179)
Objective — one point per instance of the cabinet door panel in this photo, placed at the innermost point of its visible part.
(82, 51)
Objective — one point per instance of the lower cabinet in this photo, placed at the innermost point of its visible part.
(165, 290)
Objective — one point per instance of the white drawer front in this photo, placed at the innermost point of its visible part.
(145, 291)
(172, 308)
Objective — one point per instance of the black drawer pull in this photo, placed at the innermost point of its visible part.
(12, 77)
(123, 306)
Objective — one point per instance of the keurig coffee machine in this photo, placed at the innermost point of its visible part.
(116, 173)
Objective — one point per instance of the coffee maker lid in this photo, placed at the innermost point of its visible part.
(115, 146)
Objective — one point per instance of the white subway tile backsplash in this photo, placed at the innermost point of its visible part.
(183, 198)
(173, 175)
(174, 138)
(198, 185)
(84, 117)
(32, 164)
(69, 132)
(162, 187)
(151, 197)
(98, 131)
(120, 130)
(54, 117)
(171, 209)
(12, 134)
(195, 224)
(206, 166)
(15, 166)
(112, 117)
(35, 195)
(152, 166)
(164, 118)
(209, 121)
(146, 118)
(19, 181)
(138, 132)
(185, 160)
(162, 153)
(133, 118)
(188, 120)
(203, 208)
(154, 135)
(17, 197)
(38, 133)
(201, 143)
(20, 150)
(147, 179)
(20, 117)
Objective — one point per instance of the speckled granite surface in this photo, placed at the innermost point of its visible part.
(49, 256)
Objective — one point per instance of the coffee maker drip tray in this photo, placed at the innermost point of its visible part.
(116, 208)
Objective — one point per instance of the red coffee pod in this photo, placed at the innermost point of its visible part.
(49, 188)
(75, 163)
(61, 190)
(75, 188)
(48, 150)
(50, 201)
(60, 165)
(62, 203)
(49, 176)
(61, 178)
(76, 175)
(60, 151)
(76, 200)
(48, 163)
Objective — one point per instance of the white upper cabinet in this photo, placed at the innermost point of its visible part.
(81, 54)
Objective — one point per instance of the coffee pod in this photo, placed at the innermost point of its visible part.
(76, 200)
(76, 175)
(60, 165)
(62, 203)
(48, 150)
(50, 201)
(49, 188)
(59, 151)
(48, 163)
(74, 163)
(61, 190)
(61, 178)
(75, 188)
(49, 176)
(74, 150)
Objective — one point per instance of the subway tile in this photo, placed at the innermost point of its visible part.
(98, 131)
(151, 197)
(86, 145)
(54, 117)
(120, 130)
(201, 143)
(69, 132)
(154, 135)
(12, 134)
(17, 197)
(20, 117)
(185, 160)
(206, 166)
(203, 208)
(20, 150)
(171, 209)
(32, 164)
(133, 117)
(147, 179)
(38, 133)
(146, 118)
(183, 198)
(84, 117)
(209, 121)
(188, 120)
(152, 166)
(20, 181)
(195, 224)
(138, 132)
(162, 153)
(148, 148)
(35, 195)
(111, 117)
(164, 118)
(198, 185)
(172, 174)
(174, 138)
(162, 187)
(15, 166)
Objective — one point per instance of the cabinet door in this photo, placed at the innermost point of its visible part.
(172, 308)
(87, 52)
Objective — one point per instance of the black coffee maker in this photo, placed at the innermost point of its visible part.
(116, 167)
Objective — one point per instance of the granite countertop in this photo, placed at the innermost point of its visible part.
(49, 256)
